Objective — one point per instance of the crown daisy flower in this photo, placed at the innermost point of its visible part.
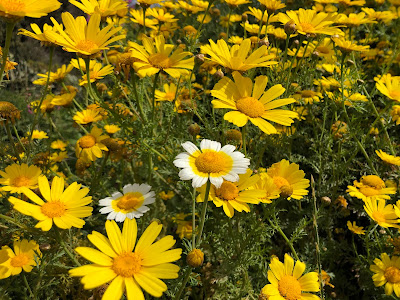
(17, 9)
(210, 162)
(84, 38)
(389, 86)
(310, 22)
(266, 183)
(288, 282)
(370, 187)
(38, 34)
(387, 273)
(25, 256)
(104, 7)
(354, 228)
(8, 112)
(289, 179)
(252, 103)
(238, 57)
(384, 215)
(234, 195)
(17, 177)
(390, 159)
(348, 46)
(152, 60)
(90, 146)
(128, 265)
(131, 204)
(65, 208)
(58, 75)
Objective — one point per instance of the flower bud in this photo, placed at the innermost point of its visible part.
(264, 42)
(199, 58)
(194, 129)
(219, 74)
(290, 27)
(195, 258)
(286, 191)
(244, 18)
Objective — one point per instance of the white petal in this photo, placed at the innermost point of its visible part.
(216, 181)
(120, 217)
(116, 195)
(228, 149)
(199, 181)
(106, 201)
(106, 210)
(143, 209)
(190, 147)
(112, 215)
(186, 174)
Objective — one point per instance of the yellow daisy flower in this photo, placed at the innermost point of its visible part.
(354, 228)
(155, 56)
(98, 72)
(389, 86)
(65, 208)
(309, 22)
(56, 76)
(58, 145)
(370, 187)
(253, 103)
(348, 46)
(185, 225)
(353, 20)
(17, 177)
(129, 266)
(15, 10)
(289, 179)
(236, 3)
(272, 5)
(90, 146)
(137, 17)
(87, 116)
(235, 195)
(238, 57)
(83, 37)
(308, 96)
(288, 282)
(111, 129)
(387, 273)
(210, 162)
(395, 113)
(168, 94)
(160, 15)
(384, 215)
(38, 34)
(104, 7)
(38, 135)
(390, 159)
(266, 183)
(25, 256)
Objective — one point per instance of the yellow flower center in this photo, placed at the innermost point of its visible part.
(170, 96)
(53, 209)
(13, 5)
(213, 162)
(250, 107)
(373, 181)
(227, 191)
(86, 46)
(19, 261)
(280, 181)
(130, 201)
(127, 264)
(306, 27)
(378, 217)
(392, 274)
(368, 191)
(289, 288)
(160, 61)
(87, 141)
(21, 181)
(394, 94)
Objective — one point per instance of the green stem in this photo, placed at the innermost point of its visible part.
(154, 96)
(60, 240)
(27, 285)
(185, 280)
(229, 23)
(194, 219)
(12, 221)
(12, 142)
(138, 100)
(98, 174)
(203, 213)
(244, 131)
(9, 31)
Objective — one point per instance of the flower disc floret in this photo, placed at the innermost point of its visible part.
(213, 162)
(227, 191)
(289, 288)
(127, 264)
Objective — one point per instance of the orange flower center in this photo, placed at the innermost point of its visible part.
(13, 5)
(394, 94)
(160, 61)
(170, 96)
(20, 260)
(289, 288)
(227, 191)
(127, 264)
(21, 181)
(250, 107)
(392, 274)
(306, 27)
(378, 217)
(53, 209)
(130, 201)
(280, 182)
(213, 162)
(86, 46)
(87, 141)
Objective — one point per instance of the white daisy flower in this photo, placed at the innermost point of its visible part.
(210, 162)
(131, 204)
